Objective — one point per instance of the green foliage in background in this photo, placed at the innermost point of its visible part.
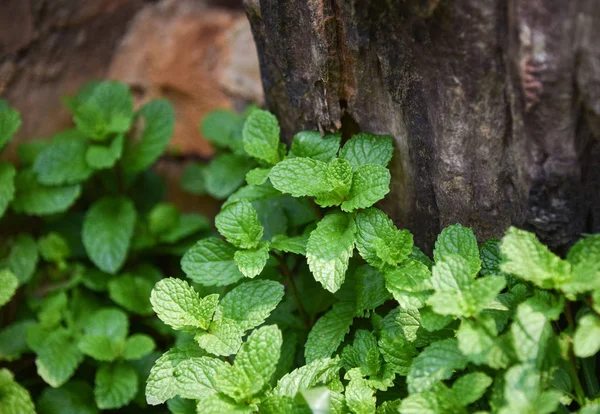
(84, 238)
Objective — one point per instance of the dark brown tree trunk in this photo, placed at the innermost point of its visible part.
(494, 104)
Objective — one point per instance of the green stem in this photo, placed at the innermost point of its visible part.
(588, 368)
(290, 280)
(580, 394)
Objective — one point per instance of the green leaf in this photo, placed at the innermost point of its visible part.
(470, 387)
(370, 184)
(461, 241)
(238, 223)
(132, 292)
(491, 258)
(363, 353)
(479, 342)
(7, 186)
(254, 364)
(12, 340)
(369, 288)
(436, 362)
(218, 404)
(36, 199)
(159, 122)
(57, 358)
(310, 144)
(379, 242)
(252, 262)
(296, 244)
(359, 396)
(53, 247)
(250, 303)
(138, 346)
(300, 177)
(162, 218)
(177, 304)
(75, 397)
(529, 259)
(258, 176)
(329, 249)
(187, 225)
(584, 258)
(115, 385)
(531, 331)
(586, 341)
(410, 284)
(23, 257)
(422, 403)
(329, 332)
(197, 377)
(366, 148)
(100, 157)
(339, 180)
(162, 384)
(320, 371)
(10, 121)
(109, 322)
(28, 151)
(224, 337)
(98, 347)
(63, 161)
(456, 292)
(432, 321)
(8, 286)
(397, 352)
(211, 262)
(107, 231)
(102, 109)
(193, 179)
(217, 126)
(523, 392)
(14, 399)
(226, 173)
(261, 136)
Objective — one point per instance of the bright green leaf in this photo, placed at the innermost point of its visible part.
(63, 161)
(8, 286)
(115, 385)
(370, 183)
(138, 346)
(329, 332)
(366, 148)
(239, 224)
(7, 186)
(310, 144)
(586, 341)
(211, 262)
(300, 177)
(36, 199)
(252, 262)
(461, 241)
(261, 136)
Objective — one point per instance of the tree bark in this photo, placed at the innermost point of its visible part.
(494, 105)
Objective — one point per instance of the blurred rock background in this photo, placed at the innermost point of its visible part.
(199, 54)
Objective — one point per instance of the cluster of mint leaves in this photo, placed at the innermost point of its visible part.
(314, 301)
(84, 236)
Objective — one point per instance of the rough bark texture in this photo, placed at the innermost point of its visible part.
(494, 104)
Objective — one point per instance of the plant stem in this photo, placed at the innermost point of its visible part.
(290, 280)
(573, 365)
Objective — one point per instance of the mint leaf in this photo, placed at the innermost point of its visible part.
(329, 249)
(359, 396)
(296, 244)
(75, 397)
(217, 127)
(99, 347)
(210, 262)
(491, 258)
(8, 286)
(57, 358)
(36, 199)
(53, 248)
(254, 364)
(10, 121)
(363, 353)
(397, 351)
(162, 218)
(461, 241)
(251, 262)
(28, 151)
(12, 340)
(138, 346)
(339, 180)
(529, 259)
(300, 177)
(225, 174)
(370, 183)
(224, 337)
(238, 223)
(410, 284)
(456, 292)
(193, 179)
(132, 292)
(162, 384)
(177, 304)
(107, 231)
(14, 399)
(250, 303)
(523, 392)
(422, 403)
(7, 186)
(23, 257)
(310, 144)
(261, 136)
(218, 404)
(370, 288)
(319, 371)
(586, 341)
(479, 342)
(187, 225)
(115, 385)
(109, 322)
(470, 387)
(329, 332)
(379, 242)
(584, 258)
(102, 109)
(159, 122)
(258, 176)
(364, 148)
(100, 157)
(63, 161)
(197, 377)
(531, 331)
(436, 362)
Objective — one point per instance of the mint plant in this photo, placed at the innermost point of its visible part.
(85, 237)
(314, 301)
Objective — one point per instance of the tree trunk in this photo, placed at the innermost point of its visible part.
(494, 105)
